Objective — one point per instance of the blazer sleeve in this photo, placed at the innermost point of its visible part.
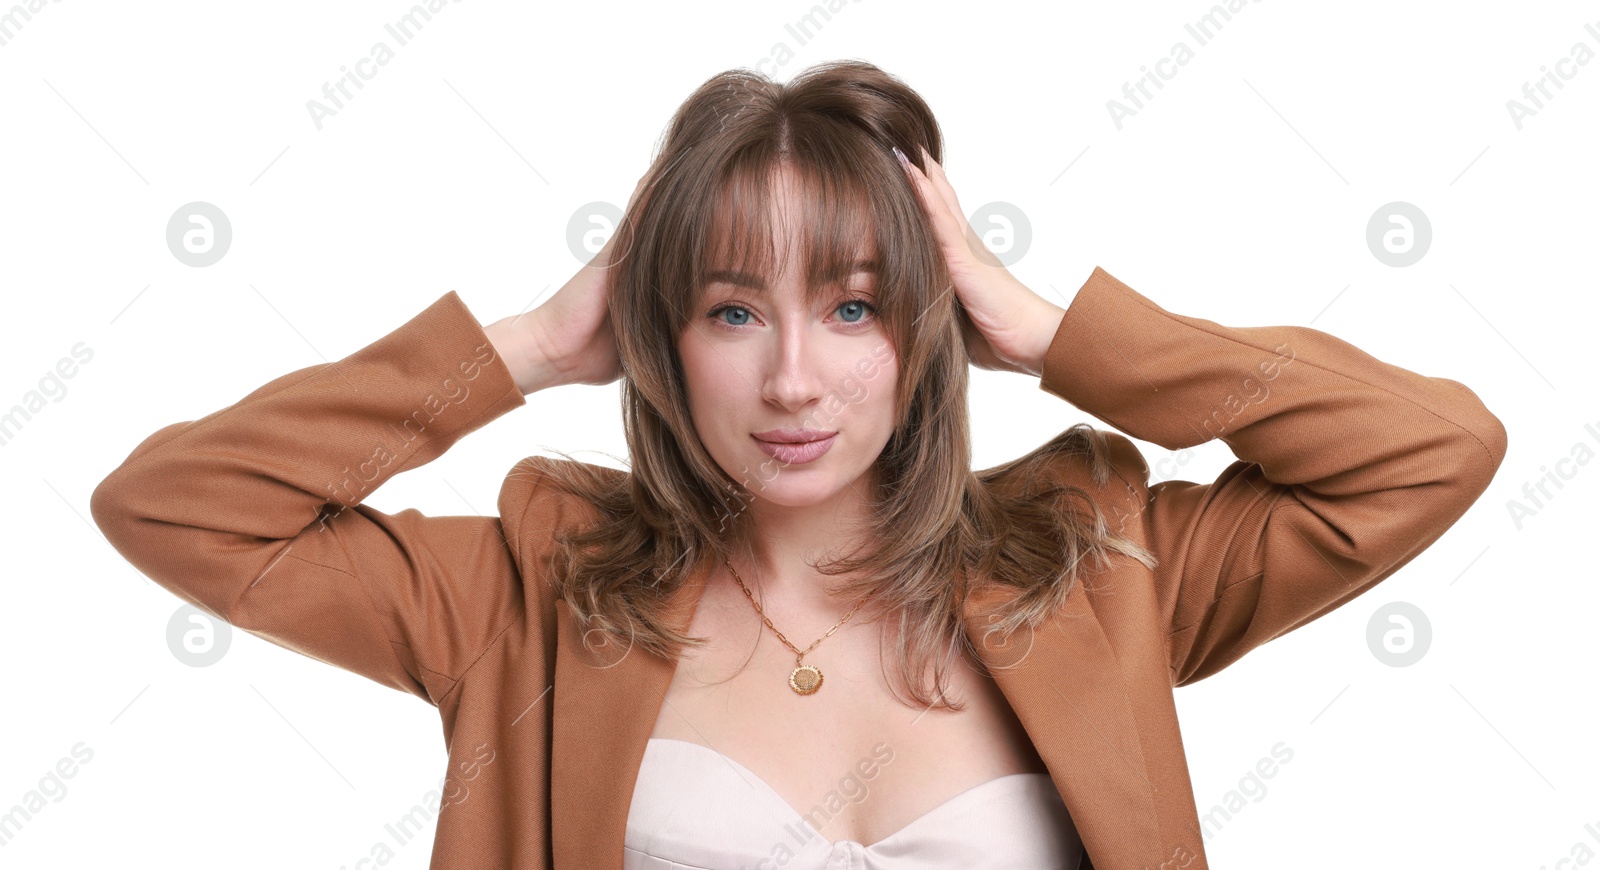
(252, 513)
(1348, 467)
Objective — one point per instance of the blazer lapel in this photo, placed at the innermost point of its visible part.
(605, 706)
(1062, 681)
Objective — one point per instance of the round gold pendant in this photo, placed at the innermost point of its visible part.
(805, 679)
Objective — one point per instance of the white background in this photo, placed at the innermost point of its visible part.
(1240, 193)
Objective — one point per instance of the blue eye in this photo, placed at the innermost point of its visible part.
(861, 307)
(743, 314)
(857, 309)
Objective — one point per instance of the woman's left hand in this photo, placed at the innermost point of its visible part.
(1008, 327)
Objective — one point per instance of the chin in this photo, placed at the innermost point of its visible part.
(795, 486)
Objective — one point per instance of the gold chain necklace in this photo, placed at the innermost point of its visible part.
(804, 679)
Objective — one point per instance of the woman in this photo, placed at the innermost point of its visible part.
(800, 631)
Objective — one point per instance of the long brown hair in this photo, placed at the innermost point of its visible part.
(938, 524)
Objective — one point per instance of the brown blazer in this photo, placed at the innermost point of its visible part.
(1348, 468)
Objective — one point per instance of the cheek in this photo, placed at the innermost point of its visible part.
(696, 360)
(885, 389)
(872, 381)
(712, 379)
(693, 377)
(865, 405)
(710, 382)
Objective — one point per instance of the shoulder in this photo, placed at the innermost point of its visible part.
(544, 496)
(1103, 462)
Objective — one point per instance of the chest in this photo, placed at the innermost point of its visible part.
(873, 763)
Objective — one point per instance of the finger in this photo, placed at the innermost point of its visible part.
(940, 183)
(932, 204)
(948, 223)
(919, 183)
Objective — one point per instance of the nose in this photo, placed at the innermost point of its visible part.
(791, 379)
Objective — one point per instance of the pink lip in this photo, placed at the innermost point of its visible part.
(797, 453)
(794, 436)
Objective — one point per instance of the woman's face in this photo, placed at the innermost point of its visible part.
(759, 361)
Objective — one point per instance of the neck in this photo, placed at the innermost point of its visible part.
(784, 539)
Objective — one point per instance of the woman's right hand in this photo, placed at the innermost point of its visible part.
(568, 338)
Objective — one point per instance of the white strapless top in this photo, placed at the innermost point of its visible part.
(694, 807)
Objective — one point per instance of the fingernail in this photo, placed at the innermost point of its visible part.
(901, 155)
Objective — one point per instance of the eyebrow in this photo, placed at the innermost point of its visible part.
(744, 279)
